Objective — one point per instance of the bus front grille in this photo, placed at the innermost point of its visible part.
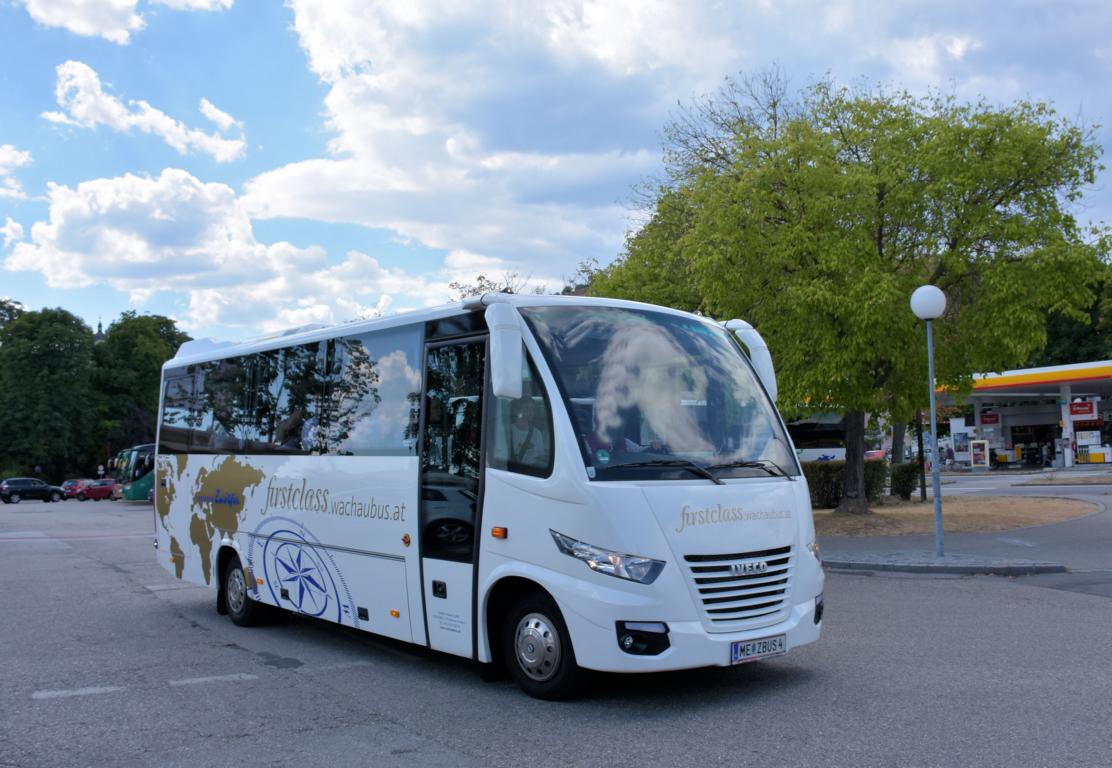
(742, 590)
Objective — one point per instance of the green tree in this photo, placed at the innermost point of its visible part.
(1070, 340)
(46, 413)
(9, 310)
(816, 217)
(128, 377)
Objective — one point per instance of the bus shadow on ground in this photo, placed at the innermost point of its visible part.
(697, 688)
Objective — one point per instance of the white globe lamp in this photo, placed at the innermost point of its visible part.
(928, 302)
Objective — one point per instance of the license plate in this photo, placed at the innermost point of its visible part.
(742, 651)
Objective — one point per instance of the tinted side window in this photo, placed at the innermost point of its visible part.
(373, 394)
(521, 434)
(175, 427)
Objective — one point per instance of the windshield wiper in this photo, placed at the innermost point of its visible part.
(691, 466)
(769, 466)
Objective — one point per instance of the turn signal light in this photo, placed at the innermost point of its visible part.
(395, 614)
(500, 533)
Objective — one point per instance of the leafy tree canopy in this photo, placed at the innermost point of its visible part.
(1069, 340)
(45, 392)
(9, 310)
(128, 374)
(815, 217)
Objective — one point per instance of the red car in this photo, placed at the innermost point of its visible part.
(73, 487)
(97, 490)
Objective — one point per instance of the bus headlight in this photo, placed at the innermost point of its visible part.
(643, 570)
(813, 547)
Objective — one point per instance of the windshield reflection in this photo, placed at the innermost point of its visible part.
(646, 386)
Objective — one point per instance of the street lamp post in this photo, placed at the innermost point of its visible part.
(928, 303)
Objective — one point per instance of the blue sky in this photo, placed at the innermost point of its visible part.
(245, 167)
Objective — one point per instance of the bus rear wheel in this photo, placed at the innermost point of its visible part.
(537, 649)
(242, 610)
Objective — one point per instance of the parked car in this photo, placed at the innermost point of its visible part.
(97, 490)
(16, 489)
(71, 487)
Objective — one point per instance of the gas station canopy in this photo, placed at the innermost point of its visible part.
(1069, 404)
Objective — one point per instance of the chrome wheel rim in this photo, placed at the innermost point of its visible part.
(237, 591)
(537, 646)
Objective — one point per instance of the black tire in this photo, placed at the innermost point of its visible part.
(15, 498)
(81, 497)
(242, 610)
(537, 649)
(55, 497)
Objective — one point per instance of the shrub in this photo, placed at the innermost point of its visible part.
(825, 480)
(905, 477)
(876, 474)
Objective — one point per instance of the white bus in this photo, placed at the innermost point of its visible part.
(541, 482)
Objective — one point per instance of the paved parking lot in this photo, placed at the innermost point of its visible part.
(110, 661)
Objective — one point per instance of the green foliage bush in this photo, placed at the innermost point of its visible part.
(825, 480)
(876, 475)
(904, 479)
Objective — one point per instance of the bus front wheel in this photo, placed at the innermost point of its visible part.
(537, 648)
(242, 610)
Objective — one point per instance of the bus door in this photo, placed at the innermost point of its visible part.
(451, 489)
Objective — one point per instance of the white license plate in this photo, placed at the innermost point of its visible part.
(742, 651)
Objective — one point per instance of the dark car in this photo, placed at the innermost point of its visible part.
(97, 490)
(16, 489)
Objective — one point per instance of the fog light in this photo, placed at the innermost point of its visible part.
(818, 608)
(643, 638)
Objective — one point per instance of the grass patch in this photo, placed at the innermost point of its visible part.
(960, 514)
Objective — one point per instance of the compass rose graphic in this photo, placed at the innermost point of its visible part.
(301, 572)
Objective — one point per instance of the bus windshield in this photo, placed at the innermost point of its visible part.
(659, 396)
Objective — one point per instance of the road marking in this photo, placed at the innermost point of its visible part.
(1017, 542)
(74, 692)
(335, 667)
(35, 536)
(236, 677)
(169, 587)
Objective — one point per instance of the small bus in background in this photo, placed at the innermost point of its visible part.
(133, 469)
(544, 483)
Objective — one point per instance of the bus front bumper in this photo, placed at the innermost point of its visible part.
(690, 646)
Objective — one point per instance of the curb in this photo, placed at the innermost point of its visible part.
(948, 564)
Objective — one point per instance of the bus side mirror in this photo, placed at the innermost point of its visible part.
(759, 355)
(505, 350)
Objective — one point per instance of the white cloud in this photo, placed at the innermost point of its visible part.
(960, 45)
(924, 60)
(632, 36)
(12, 231)
(196, 5)
(10, 159)
(173, 233)
(409, 156)
(85, 104)
(114, 20)
(223, 120)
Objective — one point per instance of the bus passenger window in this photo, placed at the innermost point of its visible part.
(522, 429)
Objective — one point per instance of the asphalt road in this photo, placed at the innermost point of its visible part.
(109, 661)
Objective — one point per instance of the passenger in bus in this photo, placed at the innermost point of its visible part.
(526, 441)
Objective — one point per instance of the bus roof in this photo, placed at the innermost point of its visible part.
(204, 350)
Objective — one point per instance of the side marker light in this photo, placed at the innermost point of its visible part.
(500, 533)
